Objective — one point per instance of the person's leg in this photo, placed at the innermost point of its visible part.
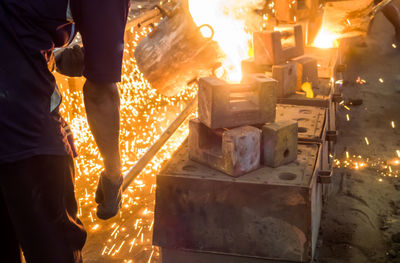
(10, 250)
(39, 194)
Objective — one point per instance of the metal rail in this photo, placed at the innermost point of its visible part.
(152, 151)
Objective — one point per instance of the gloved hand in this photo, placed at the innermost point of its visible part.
(108, 197)
(69, 61)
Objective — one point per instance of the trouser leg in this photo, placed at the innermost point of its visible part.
(10, 251)
(39, 195)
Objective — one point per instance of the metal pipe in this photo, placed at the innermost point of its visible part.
(152, 151)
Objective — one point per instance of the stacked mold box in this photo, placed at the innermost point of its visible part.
(322, 68)
(234, 191)
(268, 214)
(236, 129)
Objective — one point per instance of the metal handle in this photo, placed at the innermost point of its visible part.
(325, 176)
(331, 136)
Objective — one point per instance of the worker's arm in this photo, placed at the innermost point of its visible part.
(102, 109)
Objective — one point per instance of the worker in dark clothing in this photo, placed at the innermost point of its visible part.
(38, 210)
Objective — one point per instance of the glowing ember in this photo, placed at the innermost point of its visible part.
(325, 39)
(229, 32)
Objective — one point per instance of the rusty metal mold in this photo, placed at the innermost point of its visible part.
(270, 213)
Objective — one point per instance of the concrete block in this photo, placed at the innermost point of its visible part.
(286, 75)
(279, 143)
(268, 47)
(307, 68)
(268, 214)
(234, 152)
(223, 105)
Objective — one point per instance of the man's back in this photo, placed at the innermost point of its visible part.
(28, 36)
(29, 30)
(38, 209)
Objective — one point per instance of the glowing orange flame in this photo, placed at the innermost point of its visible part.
(325, 39)
(229, 32)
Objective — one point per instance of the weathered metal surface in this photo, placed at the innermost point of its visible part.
(293, 11)
(286, 75)
(325, 176)
(313, 128)
(322, 96)
(279, 141)
(307, 71)
(249, 66)
(285, 11)
(268, 48)
(176, 53)
(352, 17)
(234, 152)
(311, 121)
(327, 158)
(223, 105)
(144, 19)
(328, 60)
(301, 99)
(313, 125)
(271, 213)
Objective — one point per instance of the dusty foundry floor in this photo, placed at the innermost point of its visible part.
(363, 213)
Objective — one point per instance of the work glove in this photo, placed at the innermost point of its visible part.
(108, 197)
(69, 61)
